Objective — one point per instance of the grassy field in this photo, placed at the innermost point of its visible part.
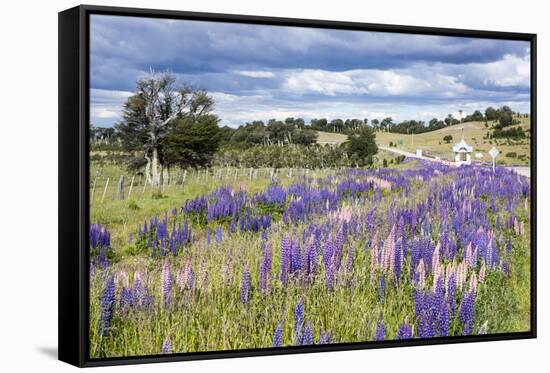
(432, 142)
(327, 272)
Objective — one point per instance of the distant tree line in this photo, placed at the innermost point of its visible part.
(274, 132)
(167, 125)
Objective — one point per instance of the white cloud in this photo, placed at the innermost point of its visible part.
(511, 71)
(106, 94)
(256, 74)
(372, 82)
(106, 105)
(104, 113)
(324, 82)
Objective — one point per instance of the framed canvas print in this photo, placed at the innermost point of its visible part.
(236, 185)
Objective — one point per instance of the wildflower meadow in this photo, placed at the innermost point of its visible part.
(340, 256)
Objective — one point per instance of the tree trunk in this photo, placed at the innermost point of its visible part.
(155, 168)
(148, 171)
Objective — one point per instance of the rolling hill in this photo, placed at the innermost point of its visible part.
(432, 143)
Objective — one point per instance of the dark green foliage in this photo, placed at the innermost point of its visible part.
(399, 159)
(476, 116)
(291, 131)
(192, 141)
(361, 146)
(491, 114)
(448, 138)
(514, 132)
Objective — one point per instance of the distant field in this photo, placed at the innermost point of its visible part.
(432, 142)
(331, 138)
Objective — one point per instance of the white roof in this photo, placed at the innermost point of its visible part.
(462, 146)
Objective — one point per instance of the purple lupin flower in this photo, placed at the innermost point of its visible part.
(173, 246)
(298, 321)
(166, 278)
(310, 261)
(285, 258)
(245, 286)
(278, 336)
(404, 332)
(107, 305)
(295, 256)
(137, 290)
(265, 269)
(506, 268)
(382, 289)
(189, 275)
(325, 337)
(451, 294)
(380, 331)
(306, 339)
(219, 234)
(167, 346)
(467, 311)
(328, 261)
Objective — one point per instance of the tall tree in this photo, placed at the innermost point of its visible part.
(147, 114)
(361, 146)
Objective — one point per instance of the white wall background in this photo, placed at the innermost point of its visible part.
(28, 184)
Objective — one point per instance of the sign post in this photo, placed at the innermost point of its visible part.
(493, 153)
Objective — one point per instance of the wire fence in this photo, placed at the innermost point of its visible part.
(105, 188)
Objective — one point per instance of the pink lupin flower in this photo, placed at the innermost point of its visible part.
(373, 260)
(482, 271)
(516, 225)
(421, 274)
(389, 251)
(189, 275)
(437, 268)
(461, 273)
(473, 282)
(121, 279)
(166, 279)
(180, 279)
(469, 255)
(228, 268)
(202, 276)
(521, 229)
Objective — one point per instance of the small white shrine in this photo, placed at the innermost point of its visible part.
(462, 153)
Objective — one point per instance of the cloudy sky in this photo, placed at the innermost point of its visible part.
(257, 72)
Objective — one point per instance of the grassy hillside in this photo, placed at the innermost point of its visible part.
(432, 142)
(331, 138)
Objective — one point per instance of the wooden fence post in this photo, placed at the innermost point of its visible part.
(131, 186)
(144, 186)
(105, 190)
(121, 187)
(93, 190)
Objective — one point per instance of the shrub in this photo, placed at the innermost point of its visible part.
(448, 139)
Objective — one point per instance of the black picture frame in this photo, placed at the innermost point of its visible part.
(74, 181)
